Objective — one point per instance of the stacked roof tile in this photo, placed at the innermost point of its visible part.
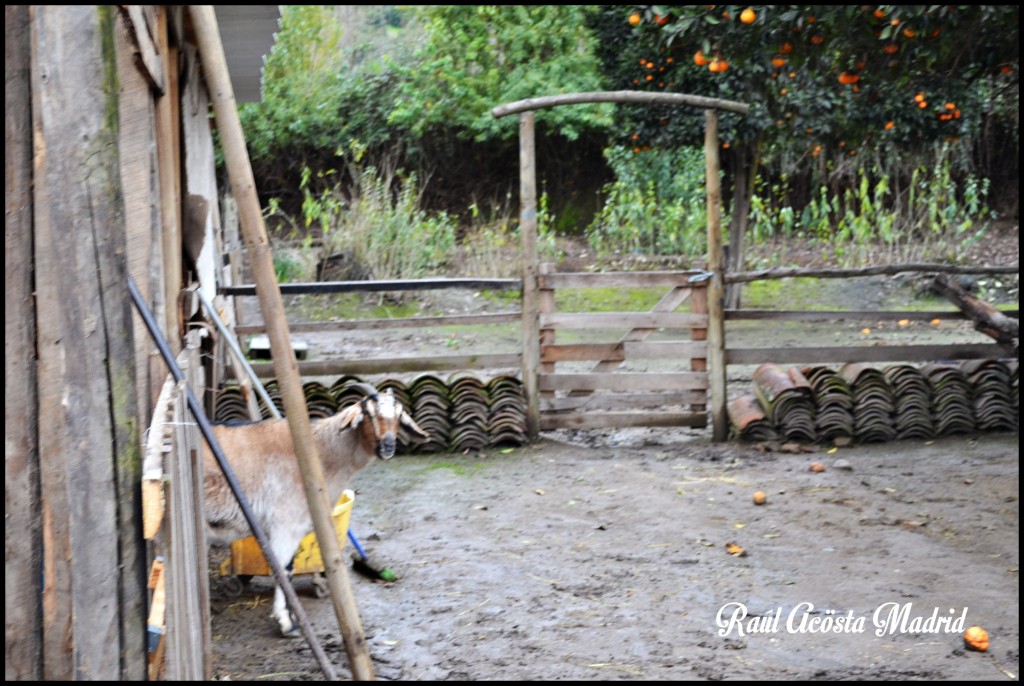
(867, 404)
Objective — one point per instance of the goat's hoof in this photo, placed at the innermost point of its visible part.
(289, 627)
(293, 632)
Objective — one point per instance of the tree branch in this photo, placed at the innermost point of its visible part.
(745, 277)
(987, 319)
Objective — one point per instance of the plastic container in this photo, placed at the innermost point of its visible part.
(247, 559)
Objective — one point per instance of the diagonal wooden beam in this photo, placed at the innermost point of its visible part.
(668, 303)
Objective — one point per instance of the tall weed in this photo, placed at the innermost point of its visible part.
(656, 205)
(932, 217)
(376, 224)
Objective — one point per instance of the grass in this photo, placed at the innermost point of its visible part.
(786, 294)
(353, 306)
(607, 299)
(457, 468)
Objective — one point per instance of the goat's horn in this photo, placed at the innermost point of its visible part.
(367, 388)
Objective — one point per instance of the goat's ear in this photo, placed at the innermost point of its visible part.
(351, 415)
(407, 421)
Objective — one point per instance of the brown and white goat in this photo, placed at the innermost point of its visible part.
(262, 456)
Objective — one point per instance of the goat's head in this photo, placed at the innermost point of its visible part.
(384, 416)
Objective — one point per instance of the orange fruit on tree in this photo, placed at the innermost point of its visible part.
(778, 61)
(889, 125)
(748, 16)
(786, 48)
(817, 39)
(634, 18)
(891, 49)
(879, 14)
(909, 33)
(699, 59)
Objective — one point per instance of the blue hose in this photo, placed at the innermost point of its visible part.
(355, 542)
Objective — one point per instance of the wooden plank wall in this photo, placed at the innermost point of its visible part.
(140, 184)
(22, 551)
(201, 214)
(94, 584)
(183, 542)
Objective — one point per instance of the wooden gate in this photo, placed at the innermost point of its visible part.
(622, 369)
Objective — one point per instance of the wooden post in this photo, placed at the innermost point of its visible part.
(716, 295)
(22, 610)
(546, 305)
(168, 140)
(699, 305)
(272, 305)
(93, 571)
(530, 306)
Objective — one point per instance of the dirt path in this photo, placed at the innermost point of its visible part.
(608, 561)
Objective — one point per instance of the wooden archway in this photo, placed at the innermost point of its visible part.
(528, 231)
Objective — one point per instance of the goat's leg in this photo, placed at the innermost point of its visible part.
(284, 548)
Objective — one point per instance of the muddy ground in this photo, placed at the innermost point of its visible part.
(603, 555)
(609, 561)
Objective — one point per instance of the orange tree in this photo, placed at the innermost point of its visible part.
(831, 86)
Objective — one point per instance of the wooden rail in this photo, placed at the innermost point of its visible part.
(842, 354)
(379, 286)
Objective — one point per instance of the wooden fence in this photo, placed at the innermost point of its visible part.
(179, 618)
(601, 396)
(855, 353)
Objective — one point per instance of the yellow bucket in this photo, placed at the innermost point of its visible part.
(247, 557)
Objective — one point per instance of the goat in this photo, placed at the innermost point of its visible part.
(262, 456)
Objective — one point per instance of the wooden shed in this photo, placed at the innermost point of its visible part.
(110, 174)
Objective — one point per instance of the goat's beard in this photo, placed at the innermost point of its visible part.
(386, 446)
